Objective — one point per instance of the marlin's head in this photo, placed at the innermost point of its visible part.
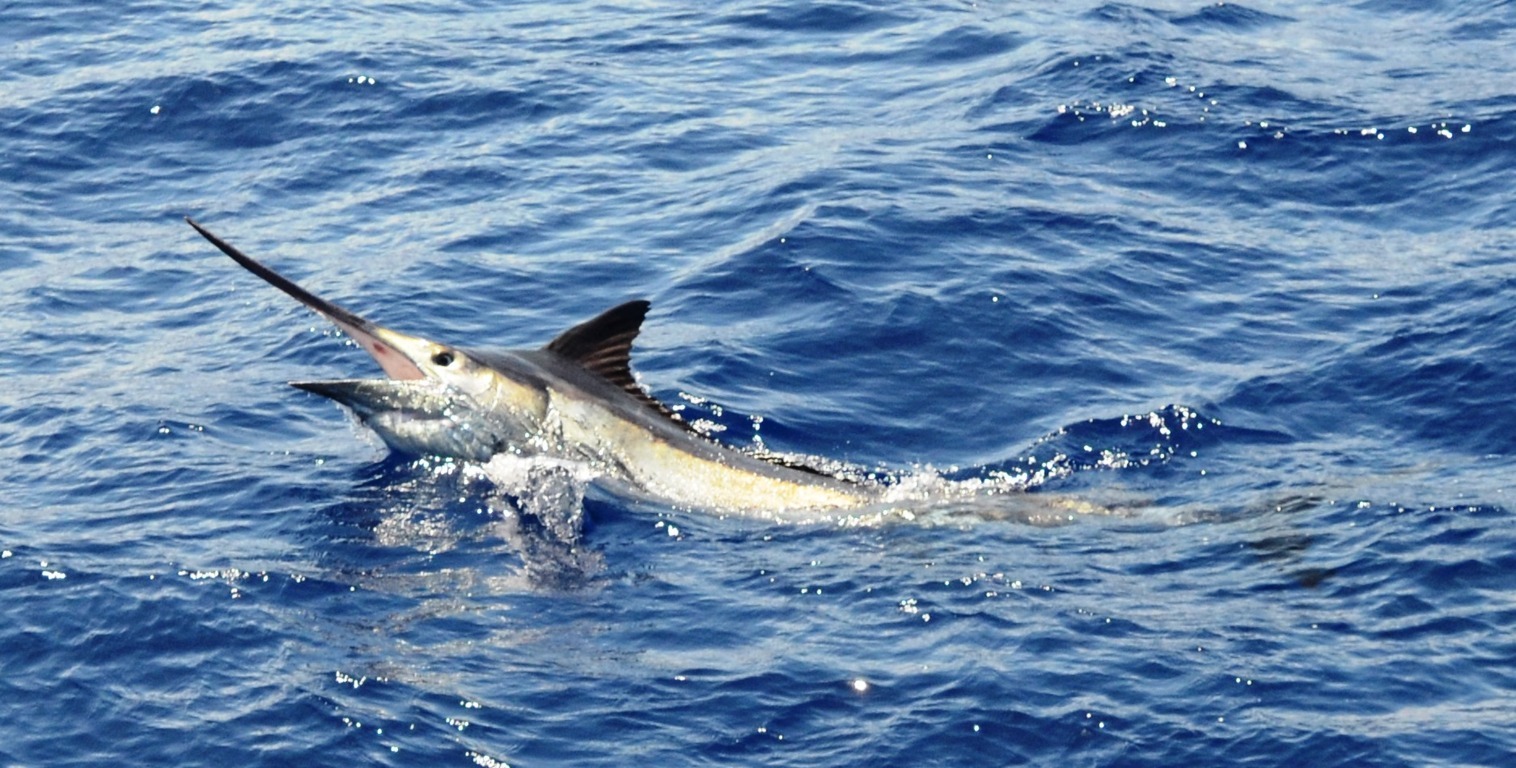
(438, 400)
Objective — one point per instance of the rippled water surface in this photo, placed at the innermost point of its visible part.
(1227, 288)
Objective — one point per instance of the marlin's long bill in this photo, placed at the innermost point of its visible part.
(368, 335)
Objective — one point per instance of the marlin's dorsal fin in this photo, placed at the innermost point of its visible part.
(603, 345)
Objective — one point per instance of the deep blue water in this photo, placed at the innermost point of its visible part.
(1239, 274)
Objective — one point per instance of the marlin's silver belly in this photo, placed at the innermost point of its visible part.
(689, 470)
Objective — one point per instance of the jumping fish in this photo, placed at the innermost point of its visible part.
(574, 399)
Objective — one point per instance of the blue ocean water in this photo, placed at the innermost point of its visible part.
(1237, 275)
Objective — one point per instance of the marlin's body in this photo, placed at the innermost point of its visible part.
(573, 399)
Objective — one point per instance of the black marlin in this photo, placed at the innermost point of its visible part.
(574, 399)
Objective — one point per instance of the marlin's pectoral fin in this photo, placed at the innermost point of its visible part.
(370, 396)
(416, 417)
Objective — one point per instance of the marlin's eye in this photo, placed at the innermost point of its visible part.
(443, 359)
